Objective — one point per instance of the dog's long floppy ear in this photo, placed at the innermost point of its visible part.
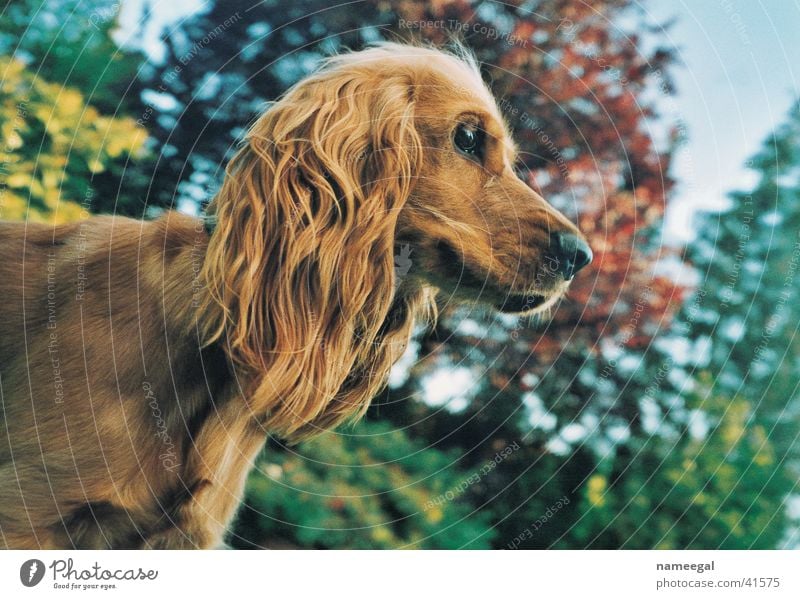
(301, 262)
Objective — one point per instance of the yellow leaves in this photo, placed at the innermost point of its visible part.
(16, 207)
(52, 141)
(10, 69)
(764, 458)
(65, 212)
(122, 136)
(12, 206)
(51, 197)
(95, 166)
(18, 180)
(70, 103)
(733, 521)
(382, 535)
(13, 140)
(733, 427)
(765, 454)
(595, 489)
(664, 545)
(434, 515)
(49, 174)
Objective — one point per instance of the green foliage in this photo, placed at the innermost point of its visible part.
(746, 310)
(70, 43)
(723, 489)
(54, 142)
(372, 487)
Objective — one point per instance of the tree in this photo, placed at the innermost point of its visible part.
(720, 489)
(752, 285)
(368, 488)
(70, 43)
(71, 129)
(54, 145)
(741, 322)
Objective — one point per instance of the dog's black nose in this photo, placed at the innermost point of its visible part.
(570, 253)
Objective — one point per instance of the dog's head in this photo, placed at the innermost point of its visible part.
(477, 231)
(467, 225)
(384, 176)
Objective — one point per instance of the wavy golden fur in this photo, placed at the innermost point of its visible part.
(325, 244)
(143, 363)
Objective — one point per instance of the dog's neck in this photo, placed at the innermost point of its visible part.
(265, 390)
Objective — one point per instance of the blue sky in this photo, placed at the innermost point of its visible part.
(739, 78)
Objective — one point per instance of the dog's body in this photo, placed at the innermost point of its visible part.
(107, 397)
(143, 363)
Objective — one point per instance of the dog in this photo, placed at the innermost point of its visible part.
(144, 363)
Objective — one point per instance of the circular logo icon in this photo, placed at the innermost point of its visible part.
(31, 572)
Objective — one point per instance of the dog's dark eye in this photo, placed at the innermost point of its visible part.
(469, 140)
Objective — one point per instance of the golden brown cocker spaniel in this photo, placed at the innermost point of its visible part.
(143, 363)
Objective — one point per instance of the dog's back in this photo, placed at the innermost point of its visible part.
(92, 438)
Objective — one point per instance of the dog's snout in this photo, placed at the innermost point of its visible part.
(571, 253)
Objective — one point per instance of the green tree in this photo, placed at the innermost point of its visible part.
(720, 489)
(80, 94)
(368, 488)
(53, 145)
(71, 43)
(742, 322)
